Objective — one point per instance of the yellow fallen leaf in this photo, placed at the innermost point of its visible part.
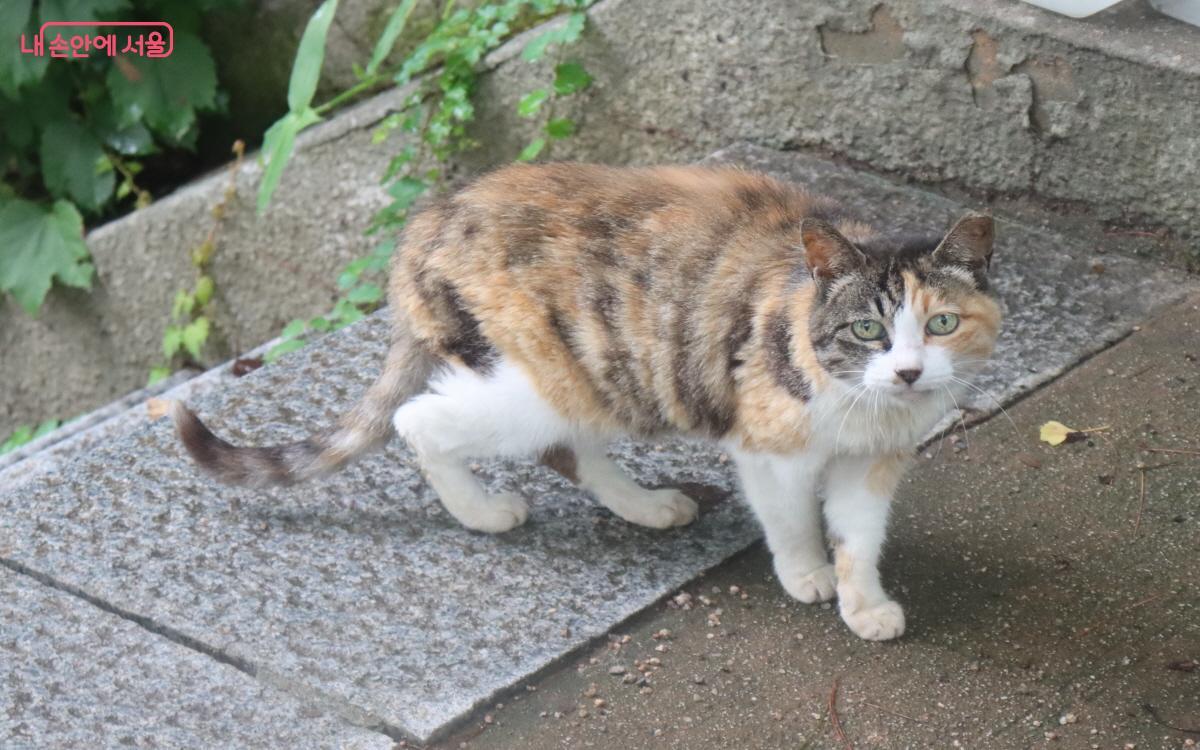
(1055, 433)
(157, 407)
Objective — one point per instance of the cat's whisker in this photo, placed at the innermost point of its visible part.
(862, 390)
(995, 400)
(962, 419)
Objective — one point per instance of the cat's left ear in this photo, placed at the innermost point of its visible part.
(968, 244)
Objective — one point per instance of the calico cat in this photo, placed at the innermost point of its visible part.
(545, 310)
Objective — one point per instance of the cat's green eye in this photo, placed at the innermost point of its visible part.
(867, 330)
(940, 325)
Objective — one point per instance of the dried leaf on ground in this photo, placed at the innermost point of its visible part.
(157, 407)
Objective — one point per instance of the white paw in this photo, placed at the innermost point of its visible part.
(809, 587)
(882, 622)
(501, 513)
(658, 509)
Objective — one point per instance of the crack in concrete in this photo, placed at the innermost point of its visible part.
(343, 710)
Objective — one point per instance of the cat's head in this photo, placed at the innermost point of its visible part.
(903, 316)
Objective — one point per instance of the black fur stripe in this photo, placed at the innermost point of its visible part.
(779, 358)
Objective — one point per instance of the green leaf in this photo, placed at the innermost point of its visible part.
(563, 34)
(46, 427)
(530, 152)
(277, 147)
(166, 91)
(282, 348)
(345, 313)
(183, 305)
(570, 77)
(18, 69)
(204, 290)
(294, 329)
(320, 323)
(532, 102)
(19, 437)
(367, 294)
(560, 128)
(306, 70)
(172, 341)
(40, 245)
(353, 271)
(195, 335)
(391, 32)
(70, 156)
(26, 434)
(157, 374)
(406, 190)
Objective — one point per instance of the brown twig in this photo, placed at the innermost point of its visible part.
(893, 713)
(1178, 451)
(1141, 603)
(834, 719)
(1137, 522)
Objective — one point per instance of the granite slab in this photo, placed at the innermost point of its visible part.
(75, 676)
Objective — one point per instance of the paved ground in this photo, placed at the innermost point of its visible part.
(361, 604)
(1041, 612)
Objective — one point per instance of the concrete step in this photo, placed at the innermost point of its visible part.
(360, 594)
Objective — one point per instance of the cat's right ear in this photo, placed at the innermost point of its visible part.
(827, 253)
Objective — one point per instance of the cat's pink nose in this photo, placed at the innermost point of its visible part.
(908, 376)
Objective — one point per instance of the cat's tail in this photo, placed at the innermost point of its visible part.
(365, 427)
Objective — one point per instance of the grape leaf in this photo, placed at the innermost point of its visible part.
(166, 91)
(17, 68)
(71, 165)
(37, 246)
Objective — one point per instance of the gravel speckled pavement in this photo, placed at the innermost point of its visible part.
(359, 602)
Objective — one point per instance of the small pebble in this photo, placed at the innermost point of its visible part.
(629, 679)
(646, 690)
(616, 669)
(1068, 719)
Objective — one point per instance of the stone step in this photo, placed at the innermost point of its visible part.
(51, 452)
(77, 676)
(360, 593)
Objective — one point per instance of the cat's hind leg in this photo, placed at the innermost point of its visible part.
(600, 475)
(468, 415)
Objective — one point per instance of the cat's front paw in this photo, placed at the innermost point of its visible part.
(811, 586)
(882, 622)
(658, 509)
(501, 513)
